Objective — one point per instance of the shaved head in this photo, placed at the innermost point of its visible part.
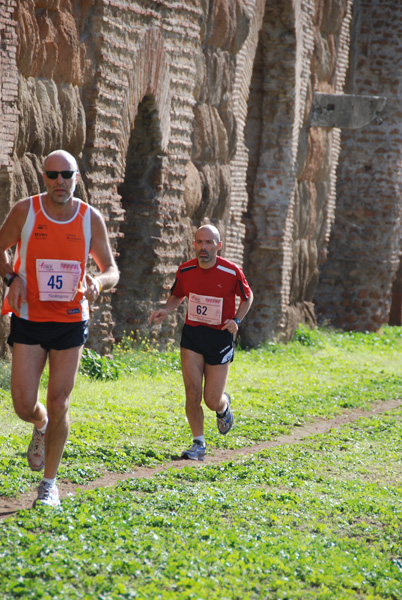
(60, 189)
(207, 242)
(212, 230)
(63, 155)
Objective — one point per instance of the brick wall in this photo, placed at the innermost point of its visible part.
(291, 170)
(181, 113)
(363, 255)
(8, 115)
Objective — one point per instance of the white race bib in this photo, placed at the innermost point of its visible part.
(57, 279)
(205, 309)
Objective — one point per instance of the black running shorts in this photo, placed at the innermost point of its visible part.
(50, 334)
(215, 345)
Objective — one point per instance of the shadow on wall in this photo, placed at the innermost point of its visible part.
(139, 192)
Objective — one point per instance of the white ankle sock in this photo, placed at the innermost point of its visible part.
(200, 438)
(51, 481)
(43, 429)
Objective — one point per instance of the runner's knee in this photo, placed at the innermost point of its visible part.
(193, 395)
(24, 411)
(215, 402)
(57, 407)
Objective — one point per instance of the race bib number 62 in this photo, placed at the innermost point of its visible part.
(205, 309)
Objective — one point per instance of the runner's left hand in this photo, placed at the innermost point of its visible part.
(93, 288)
(231, 326)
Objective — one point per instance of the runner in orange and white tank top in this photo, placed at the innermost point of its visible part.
(48, 294)
(55, 287)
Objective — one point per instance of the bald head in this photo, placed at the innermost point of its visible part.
(207, 242)
(211, 230)
(61, 157)
(60, 177)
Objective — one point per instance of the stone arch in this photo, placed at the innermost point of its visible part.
(270, 139)
(128, 100)
(150, 76)
(292, 165)
(139, 199)
(146, 116)
(362, 270)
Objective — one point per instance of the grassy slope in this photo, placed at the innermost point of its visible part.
(320, 520)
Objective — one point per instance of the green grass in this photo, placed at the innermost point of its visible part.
(321, 519)
(291, 522)
(141, 414)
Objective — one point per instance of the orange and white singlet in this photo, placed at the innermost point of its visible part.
(50, 258)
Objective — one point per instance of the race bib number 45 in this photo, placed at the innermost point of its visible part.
(57, 279)
(205, 309)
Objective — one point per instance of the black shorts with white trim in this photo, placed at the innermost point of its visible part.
(215, 345)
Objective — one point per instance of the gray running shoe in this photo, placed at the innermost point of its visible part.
(196, 452)
(36, 451)
(225, 421)
(48, 495)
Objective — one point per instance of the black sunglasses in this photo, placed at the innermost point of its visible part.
(55, 174)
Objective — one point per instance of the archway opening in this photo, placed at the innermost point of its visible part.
(268, 137)
(139, 191)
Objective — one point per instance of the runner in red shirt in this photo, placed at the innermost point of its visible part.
(48, 294)
(211, 285)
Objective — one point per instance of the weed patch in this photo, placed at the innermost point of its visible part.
(321, 519)
(285, 523)
(138, 418)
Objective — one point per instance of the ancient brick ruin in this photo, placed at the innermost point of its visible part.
(261, 116)
(364, 250)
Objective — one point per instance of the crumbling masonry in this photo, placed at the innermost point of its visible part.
(277, 121)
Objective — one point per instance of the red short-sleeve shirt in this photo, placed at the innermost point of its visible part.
(224, 280)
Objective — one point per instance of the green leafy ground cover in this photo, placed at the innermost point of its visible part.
(139, 418)
(319, 520)
(322, 519)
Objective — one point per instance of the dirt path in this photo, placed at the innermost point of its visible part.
(9, 506)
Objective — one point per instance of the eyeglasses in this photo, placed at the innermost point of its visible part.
(55, 174)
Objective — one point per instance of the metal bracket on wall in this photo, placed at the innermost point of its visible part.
(346, 111)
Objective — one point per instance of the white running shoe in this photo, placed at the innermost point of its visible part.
(48, 495)
(196, 452)
(36, 451)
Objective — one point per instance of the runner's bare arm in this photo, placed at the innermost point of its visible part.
(244, 307)
(103, 256)
(10, 233)
(159, 315)
(241, 312)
